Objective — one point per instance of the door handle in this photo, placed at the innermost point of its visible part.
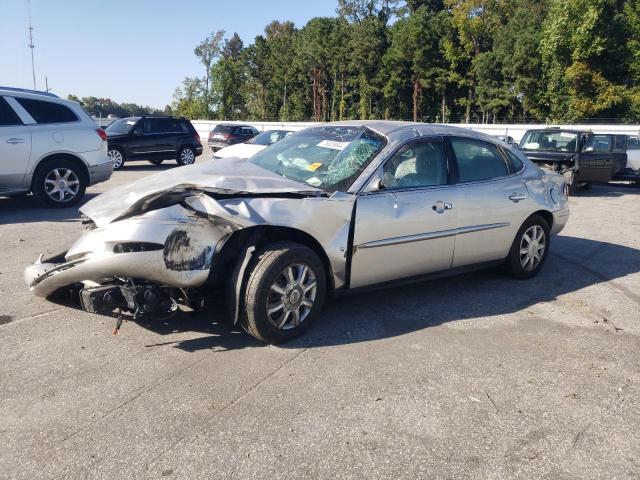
(516, 197)
(441, 206)
(14, 140)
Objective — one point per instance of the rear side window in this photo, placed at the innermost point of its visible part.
(47, 112)
(7, 115)
(515, 163)
(478, 160)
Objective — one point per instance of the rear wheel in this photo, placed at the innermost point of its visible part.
(529, 249)
(59, 183)
(116, 156)
(284, 292)
(186, 156)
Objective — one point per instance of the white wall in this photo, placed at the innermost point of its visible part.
(516, 131)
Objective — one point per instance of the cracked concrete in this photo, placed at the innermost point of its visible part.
(477, 376)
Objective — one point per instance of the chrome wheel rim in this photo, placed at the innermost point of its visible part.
(291, 296)
(532, 247)
(61, 185)
(116, 158)
(187, 156)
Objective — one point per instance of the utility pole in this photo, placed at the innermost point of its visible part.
(46, 84)
(31, 46)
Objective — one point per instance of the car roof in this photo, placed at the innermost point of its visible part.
(387, 127)
(26, 92)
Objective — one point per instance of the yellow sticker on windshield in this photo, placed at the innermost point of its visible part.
(314, 166)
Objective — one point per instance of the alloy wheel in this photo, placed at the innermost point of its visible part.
(116, 158)
(61, 185)
(187, 157)
(291, 296)
(532, 247)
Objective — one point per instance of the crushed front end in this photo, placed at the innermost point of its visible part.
(143, 264)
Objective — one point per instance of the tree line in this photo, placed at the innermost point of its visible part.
(429, 60)
(103, 107)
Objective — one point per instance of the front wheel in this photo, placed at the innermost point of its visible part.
(59, 183)
(529, 249)
(284, 293)
(186, 156)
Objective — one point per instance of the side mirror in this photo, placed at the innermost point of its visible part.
(137, 132)
(380, 185)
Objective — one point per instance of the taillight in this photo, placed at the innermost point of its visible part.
(226, 136)
(102, 134)
(196, 137)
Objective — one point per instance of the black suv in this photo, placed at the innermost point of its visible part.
(226, 134)
(154, 139)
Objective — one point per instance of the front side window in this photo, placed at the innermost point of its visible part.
(418, 164)
(329, 157)
(478, 160)
(47, 112)
(7, 116)
(598, 143)
(549, 141)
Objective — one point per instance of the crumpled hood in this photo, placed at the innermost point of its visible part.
(227, 176)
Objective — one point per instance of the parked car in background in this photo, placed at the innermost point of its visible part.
(50, 147)
(582, 157)
(226, 134)
(331, 208)
(253, 145)
(154, 139)
(508, 139)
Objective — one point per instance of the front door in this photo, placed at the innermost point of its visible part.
(596, 160)
(407, 228)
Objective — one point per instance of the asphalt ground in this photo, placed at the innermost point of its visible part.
(476, 376)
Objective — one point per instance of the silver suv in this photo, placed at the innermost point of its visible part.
(50, 147)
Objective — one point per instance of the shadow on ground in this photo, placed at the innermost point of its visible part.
(574, 264)
(26, 209)
(610, 190)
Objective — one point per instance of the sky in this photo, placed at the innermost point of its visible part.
(135, 51)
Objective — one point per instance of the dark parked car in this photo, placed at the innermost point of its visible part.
(226, 134)
(582, 157)
(154, 139)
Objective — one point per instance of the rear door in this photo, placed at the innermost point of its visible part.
(492, 204)
(15, 148)
(408, 227)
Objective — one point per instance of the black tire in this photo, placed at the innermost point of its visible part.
(117, 157)
(268, 270)
(514, 262)
(44, 188)
(186, 156)
(155, 161)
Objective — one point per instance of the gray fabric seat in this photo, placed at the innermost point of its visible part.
(430, 168)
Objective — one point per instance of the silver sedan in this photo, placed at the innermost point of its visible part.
(332, 208)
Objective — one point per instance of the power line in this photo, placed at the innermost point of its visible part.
(31, 45)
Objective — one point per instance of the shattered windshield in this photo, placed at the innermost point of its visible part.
(550, 141)
(328, 157)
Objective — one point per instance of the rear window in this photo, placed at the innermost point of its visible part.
(47, 112)
(223, 129)
(7, 115)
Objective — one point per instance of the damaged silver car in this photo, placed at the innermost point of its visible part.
(332, 208)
